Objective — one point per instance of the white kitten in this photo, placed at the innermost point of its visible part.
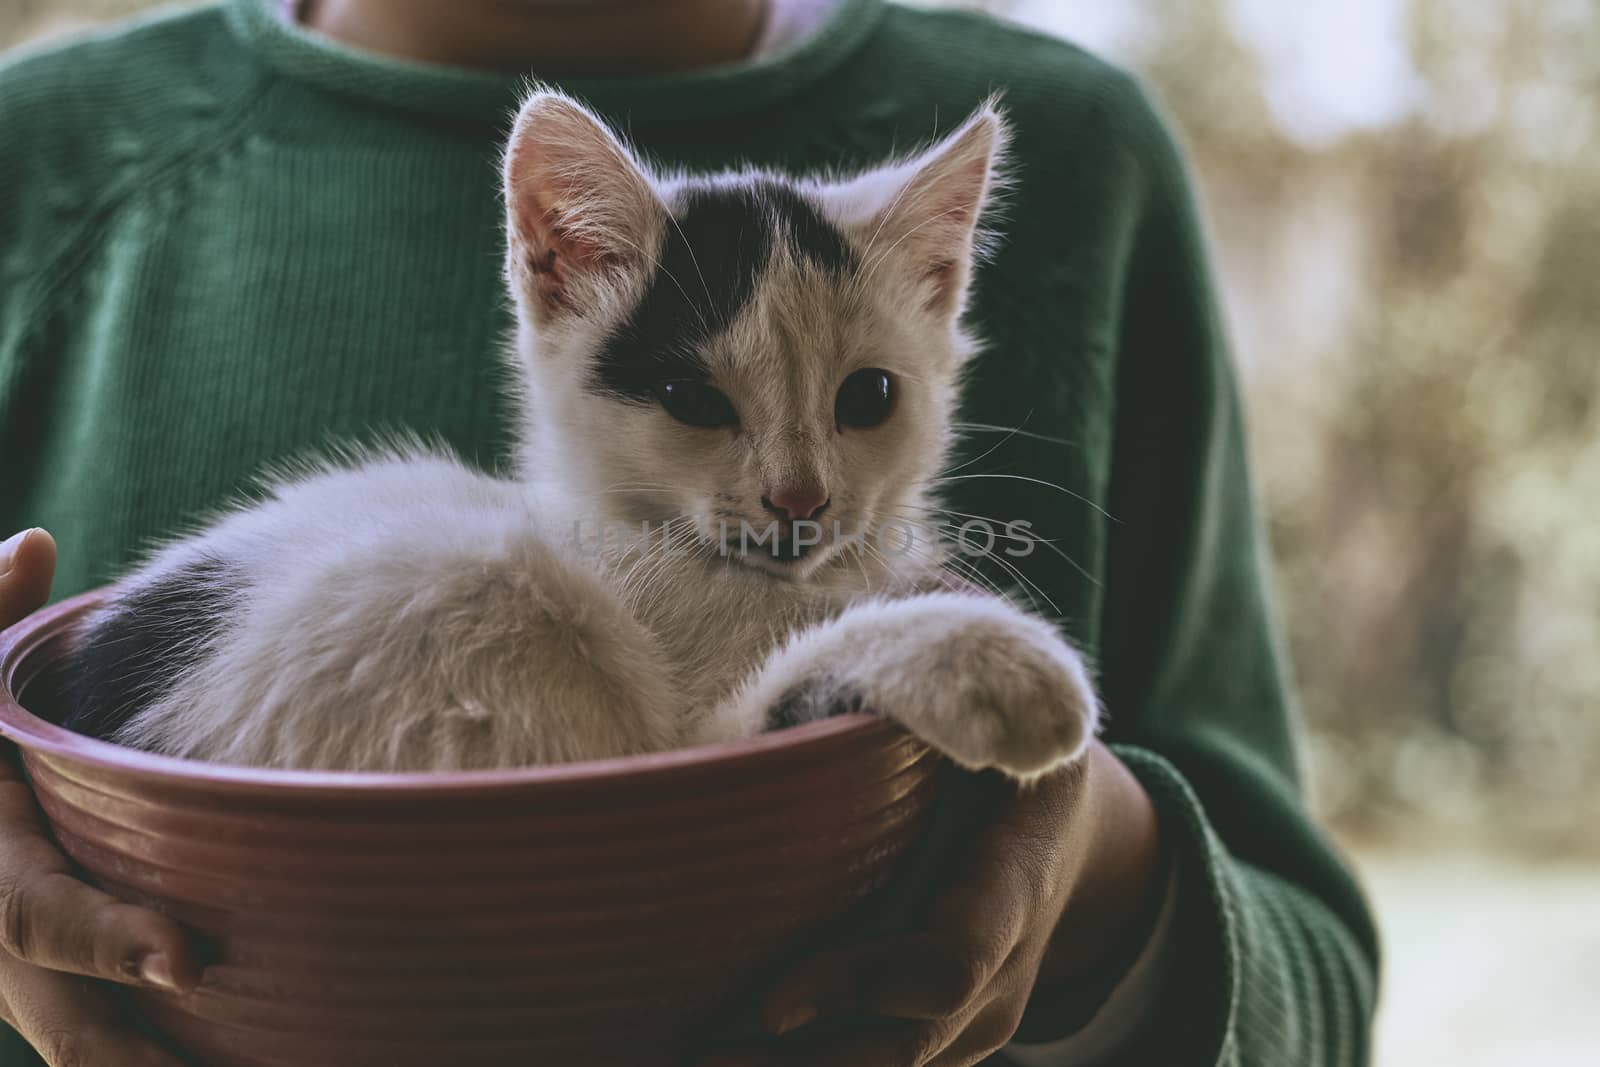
(745, 354)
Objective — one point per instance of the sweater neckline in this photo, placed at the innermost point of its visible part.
(298, 53)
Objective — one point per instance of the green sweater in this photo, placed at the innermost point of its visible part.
(224, 242)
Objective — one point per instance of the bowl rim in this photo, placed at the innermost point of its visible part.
(36, 736)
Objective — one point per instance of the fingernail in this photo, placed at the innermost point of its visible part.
(791, 1018)
(8, 551)
(155, 969)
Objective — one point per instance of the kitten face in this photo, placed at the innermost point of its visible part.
(770, 365)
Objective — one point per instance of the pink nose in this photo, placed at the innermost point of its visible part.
(797, 501)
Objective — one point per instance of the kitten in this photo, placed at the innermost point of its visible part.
(711, 356)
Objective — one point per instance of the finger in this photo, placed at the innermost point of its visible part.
(938, 976)
(968, 933)
(1001, 890)
(923, 976)
(1033, 828)
(1013, 878)
(831, 984)
(989, 909)
(987, 1033)
(893, 1044)
(51, 919)
(71, 1022)
(27, 564)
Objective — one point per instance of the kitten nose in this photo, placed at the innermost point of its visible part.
(797, 501)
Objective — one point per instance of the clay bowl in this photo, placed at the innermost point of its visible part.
(608, 913)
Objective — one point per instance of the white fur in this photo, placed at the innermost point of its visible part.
(406, 612)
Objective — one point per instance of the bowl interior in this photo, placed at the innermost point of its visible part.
(32, 651)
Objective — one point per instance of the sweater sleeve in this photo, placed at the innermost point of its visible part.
(1276, 954)
(47, 183)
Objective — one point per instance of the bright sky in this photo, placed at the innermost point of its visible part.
(1331, 68)
(1103, 26)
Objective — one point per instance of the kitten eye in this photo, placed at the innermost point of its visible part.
(697, 404)
(865, 399)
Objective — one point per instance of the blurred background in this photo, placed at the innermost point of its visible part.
(1404, 199)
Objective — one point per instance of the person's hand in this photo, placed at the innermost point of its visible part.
(54, 928)
(1060, 879)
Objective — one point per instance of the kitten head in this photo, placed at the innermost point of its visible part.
(762, 360)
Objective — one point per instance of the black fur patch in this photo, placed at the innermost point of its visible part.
(129, 659)
(809, 235)
(821, 698)
(710, 262)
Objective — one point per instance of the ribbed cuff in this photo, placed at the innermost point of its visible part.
(1121, 1019)
(1192, 1023)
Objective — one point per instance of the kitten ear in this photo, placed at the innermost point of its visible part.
(581, 213)
(926, 210)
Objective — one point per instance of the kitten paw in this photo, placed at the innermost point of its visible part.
(819, 698)
(1000, 693)
(981, 681)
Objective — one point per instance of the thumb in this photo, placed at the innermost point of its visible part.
(27, 564)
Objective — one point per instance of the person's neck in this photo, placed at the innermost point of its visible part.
(594, 38)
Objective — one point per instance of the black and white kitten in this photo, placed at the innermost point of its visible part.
(705, 355)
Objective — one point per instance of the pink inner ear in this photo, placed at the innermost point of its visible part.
(933, 218)
(551, 253)
(580, 208)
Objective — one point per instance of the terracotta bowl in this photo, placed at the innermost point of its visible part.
(614, 912)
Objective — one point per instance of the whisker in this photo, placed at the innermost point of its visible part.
(965, 570)
(1016, 573)
(648, 556)
(979, 459)
(946, 560)
(986, 427)
(860, 558)
(694, 259)
(645, 588)
(639, 489)
(1082, 571)
(989, 519)
(1033, 481)
(999, 443)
